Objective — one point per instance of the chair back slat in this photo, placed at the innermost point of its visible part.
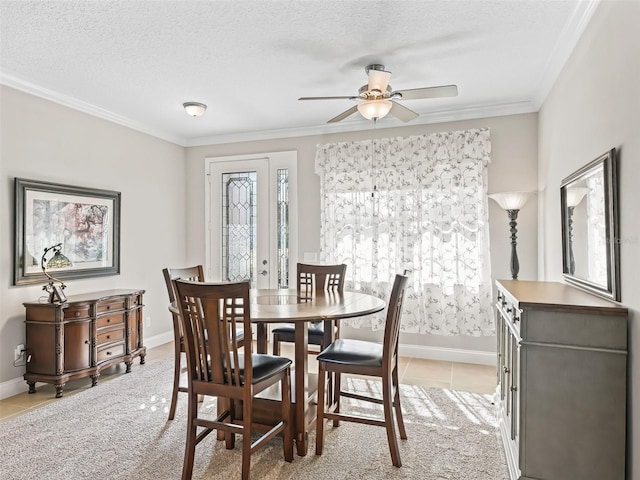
(314, 279)
(195, 273)
(394, 314)
(211, 313)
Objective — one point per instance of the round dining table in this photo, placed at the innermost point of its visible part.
(286, 306)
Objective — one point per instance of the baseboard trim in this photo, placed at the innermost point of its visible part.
(448, 354)
(18, 385)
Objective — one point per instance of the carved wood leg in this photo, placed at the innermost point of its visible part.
(94, 380)
(59, 390)
(32, 387)
(128, 364)
(142, 360)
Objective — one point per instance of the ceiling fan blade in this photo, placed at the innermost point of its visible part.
(351, 97)
(403, 113)
(429, 92)
(344, 114)
(378, 80)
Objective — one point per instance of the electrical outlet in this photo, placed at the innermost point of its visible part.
(18, 352)
(147, 322)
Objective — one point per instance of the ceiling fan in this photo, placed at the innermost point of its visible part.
(377, 98)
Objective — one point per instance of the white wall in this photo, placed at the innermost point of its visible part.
(593, 107)
(41, 140)
(513, 167)
(163, 202)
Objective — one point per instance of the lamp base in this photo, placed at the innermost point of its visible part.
(56, 293)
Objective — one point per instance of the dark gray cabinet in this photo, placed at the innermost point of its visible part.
(561, 395)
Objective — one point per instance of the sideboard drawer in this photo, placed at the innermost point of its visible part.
(110, 305)
(109, 320)
(110, 351)
(77, 311)
(111, 336)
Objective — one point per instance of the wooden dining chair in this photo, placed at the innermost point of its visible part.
(311, 280)
(370, 359)
(210, 315)
(196, 274)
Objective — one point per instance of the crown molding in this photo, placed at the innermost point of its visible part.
(74, 103)
(564, 47)
(470, 113)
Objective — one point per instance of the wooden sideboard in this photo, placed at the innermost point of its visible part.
(82, 336)
(562, 382)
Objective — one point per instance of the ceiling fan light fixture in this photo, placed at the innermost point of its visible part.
(195, 109)
(377, 109)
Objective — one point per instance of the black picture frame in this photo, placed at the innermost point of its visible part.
(85, 220)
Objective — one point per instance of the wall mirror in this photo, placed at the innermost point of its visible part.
(590, 249)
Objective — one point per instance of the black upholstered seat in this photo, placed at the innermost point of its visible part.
(352, 352)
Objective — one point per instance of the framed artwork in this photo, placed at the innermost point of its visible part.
(85, 221)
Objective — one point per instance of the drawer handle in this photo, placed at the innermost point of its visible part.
(108, 307)
(514, 388)
(108, 337)
(108, 320)
(509, 310)
(108, 353)
(506, 369)
(86, 342)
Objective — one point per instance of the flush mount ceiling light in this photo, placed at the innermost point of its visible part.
(194, 109)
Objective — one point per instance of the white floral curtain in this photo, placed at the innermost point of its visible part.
(418, 203)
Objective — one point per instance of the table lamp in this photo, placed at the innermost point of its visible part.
(512, 202)
(57, 261)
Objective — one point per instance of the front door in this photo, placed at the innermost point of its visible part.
(251, 219)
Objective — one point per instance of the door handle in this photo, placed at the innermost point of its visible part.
(264, 272)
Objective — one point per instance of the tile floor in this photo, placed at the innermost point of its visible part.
(414, 371)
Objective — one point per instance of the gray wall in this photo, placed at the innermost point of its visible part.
(513, 167)
(42, 140)
(594, 106)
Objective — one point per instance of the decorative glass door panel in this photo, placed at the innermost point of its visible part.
(251, 220)
(239, 212)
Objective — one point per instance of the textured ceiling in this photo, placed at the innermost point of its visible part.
(136, 62)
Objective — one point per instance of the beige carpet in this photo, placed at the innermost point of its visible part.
(119, 430)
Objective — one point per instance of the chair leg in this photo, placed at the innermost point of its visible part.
(230, 437)
(190, 447)
(396, 404)
(247, 406)
(336, 395)
(221, 406)
(390, 422)
(276, 345)
(176, 384)
(320, 409)
(287, 434)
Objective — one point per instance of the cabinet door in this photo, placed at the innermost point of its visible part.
(134, 329)
(500, 339)
(77, 345)
(514, 390)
